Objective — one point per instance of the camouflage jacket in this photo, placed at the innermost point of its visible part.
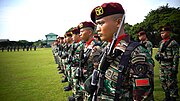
(137, 81)
(168, 56)
(148, 45)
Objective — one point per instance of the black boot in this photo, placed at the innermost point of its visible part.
(167, 97)
(71, 98)
(68, 88)
(65, 80)
(62, 71)
(173, 98)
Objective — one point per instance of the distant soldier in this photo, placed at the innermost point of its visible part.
(18, 48)
(125, 70)
(14, 48)
(30, 48)
(11, 48)
(67, 66)
(24, 48)
(27, 48)
(8, 49)
(2, 49)
(145, 42)
(167, 56)
(34, 48)
(61, 46)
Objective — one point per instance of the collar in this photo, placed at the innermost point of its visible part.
(164, 40)
(120, 38)
(88, 42)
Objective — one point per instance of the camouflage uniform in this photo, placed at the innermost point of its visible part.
(148, 45)
(92, 52)
(140, 68)
(169, 60)
(77, 91)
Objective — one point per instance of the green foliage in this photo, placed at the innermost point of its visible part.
(155, 19)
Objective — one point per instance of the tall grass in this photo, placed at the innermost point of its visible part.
(33, 76)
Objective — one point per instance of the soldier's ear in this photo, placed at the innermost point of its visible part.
(118, 21)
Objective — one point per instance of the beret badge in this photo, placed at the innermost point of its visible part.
(99, 11)
(163, 29)
(80, 25)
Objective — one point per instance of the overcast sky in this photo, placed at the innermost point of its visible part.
(31, 20)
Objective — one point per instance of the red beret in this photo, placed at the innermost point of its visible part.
(60, 37)
(86, 24)
(165, 28)
(68, 34)
(75, 31)
(141, 33)
(106, 9)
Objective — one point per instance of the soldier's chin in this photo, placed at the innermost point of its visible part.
(103, 38)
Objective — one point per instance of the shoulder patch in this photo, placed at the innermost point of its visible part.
(138, 58)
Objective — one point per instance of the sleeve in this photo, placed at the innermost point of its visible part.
(142, 74)
(175, 51)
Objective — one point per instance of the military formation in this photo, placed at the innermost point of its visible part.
(101, 63)
(18, 48)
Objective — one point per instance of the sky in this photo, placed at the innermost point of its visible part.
(31, 20)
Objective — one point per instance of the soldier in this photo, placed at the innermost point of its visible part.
(24, 48)
(125, 71)
(67, 63)
(92, 50)
(14, 48)
(167, 56)
(61, 43)
(145, 42)
(8, 48)
(27, 48)
(18, 48)
(2, 49)
(55, 51)
(76, 48)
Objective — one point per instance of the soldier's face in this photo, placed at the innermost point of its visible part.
(75, 37)
(61, 41)
(68, 39)
(106, 27)
(142, 37)
(84, 34)
(165, 34)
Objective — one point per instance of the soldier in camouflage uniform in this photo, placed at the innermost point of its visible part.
(66, 55)
(92, 50)
(55, 51)
(137, 84)
(76, 47)
(167, 56)
(61, 47)
(145, 42)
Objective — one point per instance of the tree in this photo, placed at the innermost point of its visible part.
(154, 20)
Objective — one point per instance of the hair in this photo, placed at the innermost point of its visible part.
(116, 16)
(89, 28)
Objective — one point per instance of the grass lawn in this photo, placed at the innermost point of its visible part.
(33, 76)
(30, 76)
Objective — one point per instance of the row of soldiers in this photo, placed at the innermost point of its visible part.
(11, 48)
(108, 66)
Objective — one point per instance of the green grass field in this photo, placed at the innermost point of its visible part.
(33, 76)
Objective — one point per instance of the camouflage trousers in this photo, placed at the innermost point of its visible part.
(168, 79)
(76, 89)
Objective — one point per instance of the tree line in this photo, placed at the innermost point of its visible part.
(154, 20)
